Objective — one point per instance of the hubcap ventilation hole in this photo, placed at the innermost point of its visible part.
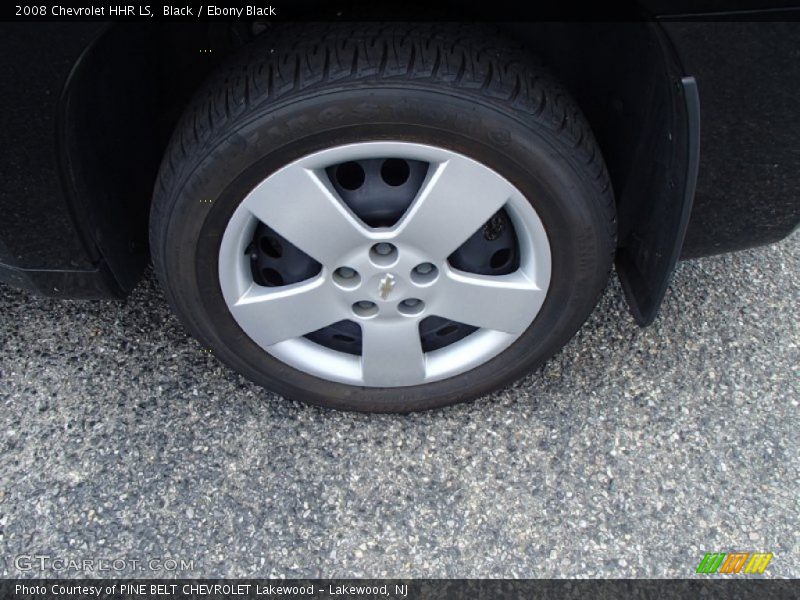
(350, 175)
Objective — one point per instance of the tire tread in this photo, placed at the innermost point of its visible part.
(462, 57)
(295, 61)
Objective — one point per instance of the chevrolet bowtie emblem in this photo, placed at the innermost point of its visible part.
(386, 286)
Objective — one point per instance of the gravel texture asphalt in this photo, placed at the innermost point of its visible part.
(631, 453)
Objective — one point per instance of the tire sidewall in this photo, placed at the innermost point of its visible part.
(532, 156)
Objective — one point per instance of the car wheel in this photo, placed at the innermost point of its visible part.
(383, 218)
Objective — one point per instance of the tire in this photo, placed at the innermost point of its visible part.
(458, 91)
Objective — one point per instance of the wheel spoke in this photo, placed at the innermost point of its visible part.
(300, 203)
(503, 303)
(457, 199)
(272, 315)
(303, 208)
(391, 353)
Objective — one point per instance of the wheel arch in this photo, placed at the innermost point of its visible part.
(625, 77)
(644, 111)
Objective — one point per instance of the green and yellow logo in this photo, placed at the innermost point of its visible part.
(734, 562)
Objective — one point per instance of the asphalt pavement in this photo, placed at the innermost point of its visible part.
(629, 454)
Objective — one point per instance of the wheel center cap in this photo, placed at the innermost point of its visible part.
(385, 285)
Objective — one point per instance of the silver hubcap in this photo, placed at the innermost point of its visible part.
(385, 279)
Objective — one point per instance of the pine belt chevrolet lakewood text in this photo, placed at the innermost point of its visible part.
(391, 217)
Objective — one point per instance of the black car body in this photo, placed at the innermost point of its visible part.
(695, 111)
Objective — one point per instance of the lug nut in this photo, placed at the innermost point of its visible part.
(424, 273)
(411, 307)
(383, 254)
(365, 309)
(346, 278)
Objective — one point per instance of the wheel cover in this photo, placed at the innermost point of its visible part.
(393, 288)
